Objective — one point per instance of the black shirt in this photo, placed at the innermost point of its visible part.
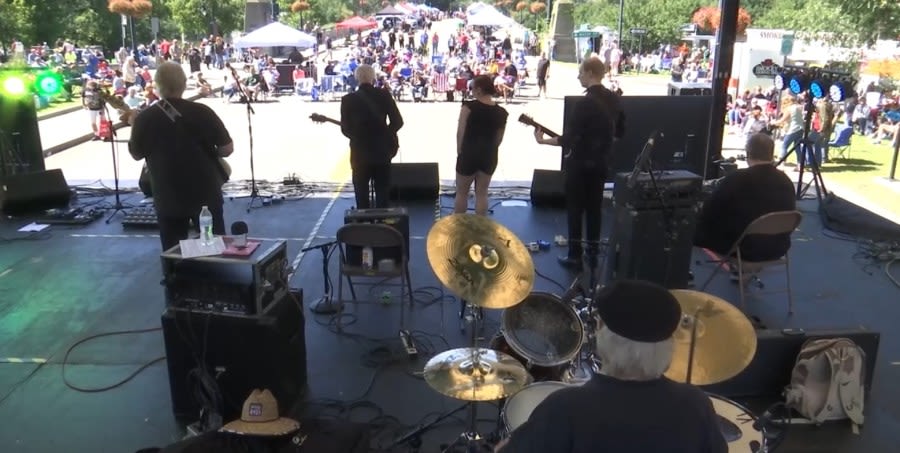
(614, 416)
(542, 67)
(363, 121)
(181, 156)
(596, 121)
(480, 141)
(741, 198)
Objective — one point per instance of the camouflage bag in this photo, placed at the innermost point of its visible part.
(827, 382)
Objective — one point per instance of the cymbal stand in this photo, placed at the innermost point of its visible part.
(470, 440)
(687, 318)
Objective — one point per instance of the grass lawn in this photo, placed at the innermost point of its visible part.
(865, 172)
(59, 105)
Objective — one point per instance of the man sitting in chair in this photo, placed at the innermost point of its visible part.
(741, 198)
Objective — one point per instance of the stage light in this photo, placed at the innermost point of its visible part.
(798, 83)
(48, 83)
(13, 86)
(818, 88)
(780, 79)
(838, 91)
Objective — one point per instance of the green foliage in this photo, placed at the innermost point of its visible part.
(663, 19)
(15, 20)
(195, 18)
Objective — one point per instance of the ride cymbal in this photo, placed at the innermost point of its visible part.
(725, 342)
(476, 374)
(480, 260)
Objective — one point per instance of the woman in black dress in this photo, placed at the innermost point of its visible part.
(478, 136)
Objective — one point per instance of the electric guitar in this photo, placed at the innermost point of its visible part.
(529, 121)
(318, 118)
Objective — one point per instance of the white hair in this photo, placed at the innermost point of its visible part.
(632, 360)
(365, 74)
(170, 80)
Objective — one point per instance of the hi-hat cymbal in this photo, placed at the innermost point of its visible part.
(480, 260)
(725, 342)
(476, 374)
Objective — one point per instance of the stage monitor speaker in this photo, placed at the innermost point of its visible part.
(241, 353)
(653, 245)
(776, 352)
(548, 189)
(20, 140)
(689, 89)
(415, 181)
(34, 192)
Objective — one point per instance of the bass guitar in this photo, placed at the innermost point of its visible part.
(529, 121)
(319, 118)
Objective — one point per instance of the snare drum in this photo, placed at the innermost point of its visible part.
(736, 423)
(543, 330)
(520, 406)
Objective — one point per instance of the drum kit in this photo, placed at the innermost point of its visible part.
(544, 342)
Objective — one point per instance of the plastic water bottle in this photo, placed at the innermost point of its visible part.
(368, 261)
(206, 221)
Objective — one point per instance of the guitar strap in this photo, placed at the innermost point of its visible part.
(370, 104)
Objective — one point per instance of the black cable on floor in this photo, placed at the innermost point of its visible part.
(117, 384)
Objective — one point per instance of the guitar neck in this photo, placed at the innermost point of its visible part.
(527, 120)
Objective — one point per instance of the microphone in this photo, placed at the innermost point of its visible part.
(573, 291)
(239, 234)
(652, 140)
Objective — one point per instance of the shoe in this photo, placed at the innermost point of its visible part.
(568, 261)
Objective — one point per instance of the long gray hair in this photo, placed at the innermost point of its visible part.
(632, 360)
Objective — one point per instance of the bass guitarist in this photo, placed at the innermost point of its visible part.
(597, 121)
(182, 142)
(373, 140)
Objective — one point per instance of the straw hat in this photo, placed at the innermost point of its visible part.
(260, 417)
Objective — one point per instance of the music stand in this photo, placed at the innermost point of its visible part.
(254, 190)
(114, 149)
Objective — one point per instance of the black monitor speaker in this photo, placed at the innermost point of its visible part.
(20, 140)
(34, 192)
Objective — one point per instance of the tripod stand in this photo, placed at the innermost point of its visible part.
(114, 149)
(254, 190)
(325, 304)
(807, 153)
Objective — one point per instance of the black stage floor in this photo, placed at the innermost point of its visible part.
(71, 283)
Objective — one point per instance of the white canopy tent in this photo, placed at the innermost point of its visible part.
(275, 34)
(489, 17)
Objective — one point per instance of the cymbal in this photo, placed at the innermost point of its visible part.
(725, 342)
(476, 374)
(480, 260)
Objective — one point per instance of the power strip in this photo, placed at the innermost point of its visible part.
(408, 344)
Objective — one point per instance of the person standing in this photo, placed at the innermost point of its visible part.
(479, 133)
(373, 140)
(597, 121)
(543, 71)
(182, 142)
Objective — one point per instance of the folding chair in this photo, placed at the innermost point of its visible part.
(375, 236)
(841, 142)
(775, 223)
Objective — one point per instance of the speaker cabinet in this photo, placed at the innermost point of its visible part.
(548, 189)
(34, 192)
(653, 245)
(256, 14)
(245, 352)
(776, 352)
(689, 89)
(415, 181)
(20, 140)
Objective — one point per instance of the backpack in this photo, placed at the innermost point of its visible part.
(827, 382)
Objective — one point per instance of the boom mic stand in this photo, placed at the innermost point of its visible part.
(325, 304)
(254, 191)
(805, 151)
(114, 148)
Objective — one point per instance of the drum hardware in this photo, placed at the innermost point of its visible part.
(743, 432)
(714, 342)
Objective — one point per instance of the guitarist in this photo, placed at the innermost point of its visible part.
(373, 141)
(181, 141)
(597, 121)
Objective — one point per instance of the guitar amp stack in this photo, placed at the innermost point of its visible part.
(240, 286)
(398, 218)
(653, 233)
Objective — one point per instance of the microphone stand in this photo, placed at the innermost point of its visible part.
(254, 191)
(325, 304)
(118, 207)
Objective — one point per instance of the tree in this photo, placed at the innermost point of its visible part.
(15, 21)
(197, 18)
(663, 19)
(708, 18)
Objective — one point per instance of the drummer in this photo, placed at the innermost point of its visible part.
(630, 406)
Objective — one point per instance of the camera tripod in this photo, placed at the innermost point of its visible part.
(806, 156)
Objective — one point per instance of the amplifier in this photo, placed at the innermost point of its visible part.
(653, 245)
(394, 217)
(675, 188)
(232, 285)
(776, 351)
(239, 353)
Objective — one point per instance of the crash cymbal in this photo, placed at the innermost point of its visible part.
(476, 374)
(480, 260)
(725, 342)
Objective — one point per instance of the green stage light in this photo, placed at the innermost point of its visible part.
(13, 86)
(48, 83)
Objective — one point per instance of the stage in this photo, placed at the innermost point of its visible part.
(69, 283)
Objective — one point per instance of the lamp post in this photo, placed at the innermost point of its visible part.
(621, 20)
